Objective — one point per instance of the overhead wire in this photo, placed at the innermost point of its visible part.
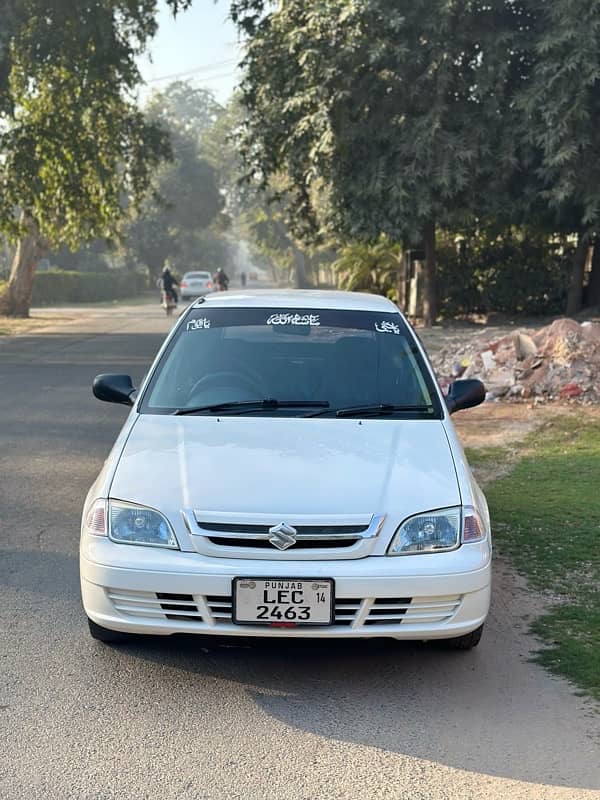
(197, 71)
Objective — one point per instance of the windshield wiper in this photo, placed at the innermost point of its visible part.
(243, 406)
(381, 409)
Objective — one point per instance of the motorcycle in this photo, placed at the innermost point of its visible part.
(221, 282)
(168, 303)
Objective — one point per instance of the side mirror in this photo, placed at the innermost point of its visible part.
(114, 388)
(465, 394)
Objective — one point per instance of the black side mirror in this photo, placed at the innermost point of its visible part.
(465, 394)
(114, 388)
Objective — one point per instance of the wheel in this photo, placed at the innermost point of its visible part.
(466, 642)
(105, 635)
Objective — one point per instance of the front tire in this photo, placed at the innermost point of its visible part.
(466, 642)
(105, 635)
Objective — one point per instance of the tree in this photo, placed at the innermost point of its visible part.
(74, 147)
(258, 218)
(369, 267)
(386, 119)
(187, 197)
(561, 118)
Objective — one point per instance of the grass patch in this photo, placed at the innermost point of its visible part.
(546, 517)
(480, 457)
(573, 633)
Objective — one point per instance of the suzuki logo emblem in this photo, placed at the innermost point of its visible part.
(282, 536)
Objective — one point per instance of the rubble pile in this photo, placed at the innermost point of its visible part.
(559, 361)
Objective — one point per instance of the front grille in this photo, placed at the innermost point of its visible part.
(265, 544)
(158, 605)
(345, 611)
(219, 534)
(221, 608)
(302, 530)
(388, 610)
(218, 609)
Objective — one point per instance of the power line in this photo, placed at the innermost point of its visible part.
(196, 71)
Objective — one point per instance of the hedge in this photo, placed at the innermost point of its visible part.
(507, 276)
(62, 286)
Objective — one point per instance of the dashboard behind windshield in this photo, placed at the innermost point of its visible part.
(335, 357)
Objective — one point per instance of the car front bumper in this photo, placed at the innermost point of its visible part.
(372, 596)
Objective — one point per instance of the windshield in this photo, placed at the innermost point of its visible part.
(296, 362)
(196, 275)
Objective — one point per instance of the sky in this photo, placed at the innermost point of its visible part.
(202, 41)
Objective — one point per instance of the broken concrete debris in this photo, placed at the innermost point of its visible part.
(558, 361)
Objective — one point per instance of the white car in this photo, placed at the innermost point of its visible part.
(288, 468)
(196, 284)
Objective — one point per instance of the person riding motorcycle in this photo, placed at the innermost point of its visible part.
(221, 280)
(168, 283)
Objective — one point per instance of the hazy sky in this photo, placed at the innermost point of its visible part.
(202, 41)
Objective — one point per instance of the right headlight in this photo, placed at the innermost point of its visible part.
(129, 523)
(437, 531)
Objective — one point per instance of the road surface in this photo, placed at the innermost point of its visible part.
(192, 718)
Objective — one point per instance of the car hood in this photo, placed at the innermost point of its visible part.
(287, 466)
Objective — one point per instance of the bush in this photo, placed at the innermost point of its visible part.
(509, 274)
(61, 286)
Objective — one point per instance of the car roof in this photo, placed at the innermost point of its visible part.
(300, 298)
(197, 272)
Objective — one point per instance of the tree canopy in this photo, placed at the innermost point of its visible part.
(75, 147)
(370, 123)
(170, 224)
(386, 119)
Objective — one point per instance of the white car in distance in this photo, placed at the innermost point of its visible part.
(196, 284)
(288, 468)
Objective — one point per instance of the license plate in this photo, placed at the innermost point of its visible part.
(283, 602)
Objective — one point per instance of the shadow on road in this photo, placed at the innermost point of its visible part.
(414, 699)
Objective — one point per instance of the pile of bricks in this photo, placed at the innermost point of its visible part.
(558, 362)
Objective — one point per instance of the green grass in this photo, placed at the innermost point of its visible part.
(546, 517)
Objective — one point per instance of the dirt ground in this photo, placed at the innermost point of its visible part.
(37, 322)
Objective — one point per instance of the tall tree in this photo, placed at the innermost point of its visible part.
(74, 145)
(187, 199)
(561, 118)
(390, 114)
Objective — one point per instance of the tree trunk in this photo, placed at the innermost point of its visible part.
(402, 276)
(300, 280)
(15, 300)
(430, 299)
(592, 295)
(300, 267)
(575, 295)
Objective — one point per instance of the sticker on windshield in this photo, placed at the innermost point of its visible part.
(198, 324)
(387, 327)
(294, 319)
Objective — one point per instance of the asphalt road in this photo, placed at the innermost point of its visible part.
(176, 719)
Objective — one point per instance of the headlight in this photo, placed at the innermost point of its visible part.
(428, 533)
(131, 524)
(438, 531)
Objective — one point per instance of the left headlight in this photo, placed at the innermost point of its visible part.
(437, 531)
(131, 524)
(428, 533)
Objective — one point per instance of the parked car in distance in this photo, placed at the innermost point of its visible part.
(289, 468)
(196, 284)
